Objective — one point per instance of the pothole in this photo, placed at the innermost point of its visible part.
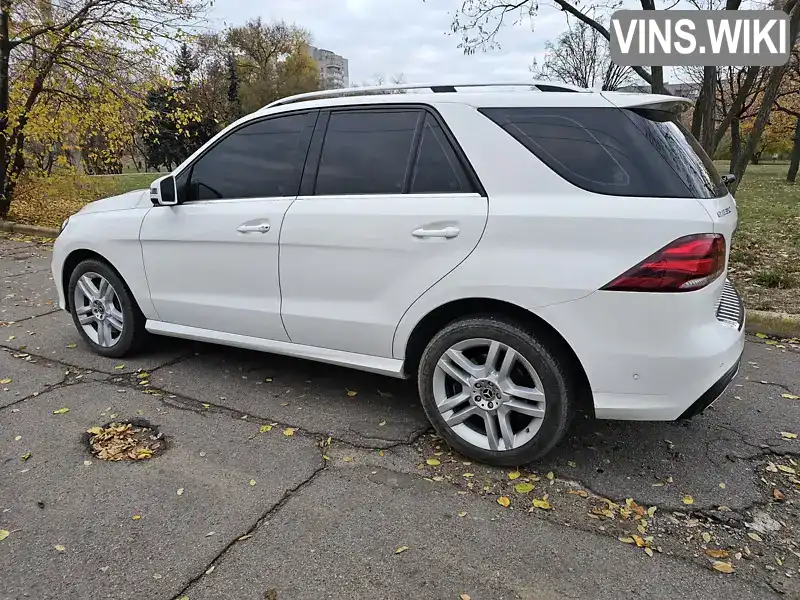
(134, 440)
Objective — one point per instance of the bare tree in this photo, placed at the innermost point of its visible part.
(582, 57)
(790, 105)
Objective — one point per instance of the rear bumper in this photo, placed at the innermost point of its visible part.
(713, 393)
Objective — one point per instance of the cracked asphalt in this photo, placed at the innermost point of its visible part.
(321, 513)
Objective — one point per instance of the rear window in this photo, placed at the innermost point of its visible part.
(619, 152)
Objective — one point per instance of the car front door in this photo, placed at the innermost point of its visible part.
(387, 208)
(212, 261)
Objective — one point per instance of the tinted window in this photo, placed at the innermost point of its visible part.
(437, 169)
(366, 152)
(612, 151)
(260, 160)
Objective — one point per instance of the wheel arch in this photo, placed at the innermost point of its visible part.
(455, 310)
(75, 258)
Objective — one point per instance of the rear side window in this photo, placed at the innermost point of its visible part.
(366, 152)
(614, 152)
(437, 169)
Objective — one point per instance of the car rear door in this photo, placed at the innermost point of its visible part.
(388, 207)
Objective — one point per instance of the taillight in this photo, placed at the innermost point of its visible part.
(687, 264)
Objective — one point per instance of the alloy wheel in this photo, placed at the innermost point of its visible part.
(99, 309)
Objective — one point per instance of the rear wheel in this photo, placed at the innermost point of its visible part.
(104, 310)
(495, 392)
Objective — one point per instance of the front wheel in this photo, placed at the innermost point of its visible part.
(104, 310)
(495, 392)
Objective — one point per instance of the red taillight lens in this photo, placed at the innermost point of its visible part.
(687, 264)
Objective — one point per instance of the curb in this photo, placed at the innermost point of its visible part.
(780, 325)
(50, 232)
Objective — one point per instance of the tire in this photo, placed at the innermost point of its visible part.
(120, 303)
(490, 399)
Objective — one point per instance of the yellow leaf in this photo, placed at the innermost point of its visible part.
(463, 513)
(434, 462)
(723, 567)
(59, 548)
(523, 488)
(180, 492)
(639, 541)
(762, 336)
(136, 517)
(542, 503)
(716, 553)
(265, 428)
(401, 549)
(786, 469)
(289, 431)
(119, 367)
(72, 345)
(352, 393)
(206, 406)
(381, 453)
(252, 482)
(61, 411)
(504, 501)
(244, 537)
(468, 475)
(382, 423)
(787, 396)
(626, 540)
(754, 536)
(4, 533)
(26, 456)
(688, 500)
(514, 475)
(649, 552)
(268, 380)
(722, 486)
(87, 463)
(348, 459)
(706, 537)
(6, 380)
(651, 511)
(17, 438)
(788, 435)
(11, 337)
(95, 430)
(551, 475)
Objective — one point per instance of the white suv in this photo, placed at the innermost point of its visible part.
(524, 254)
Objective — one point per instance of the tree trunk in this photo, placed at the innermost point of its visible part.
(5, 52)
(736, 144)
(794, 165)
(709, 109)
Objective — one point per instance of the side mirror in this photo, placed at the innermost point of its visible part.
(164, 191)
(728, 179)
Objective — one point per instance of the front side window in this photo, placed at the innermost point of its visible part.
(366, 152)
(263, 159)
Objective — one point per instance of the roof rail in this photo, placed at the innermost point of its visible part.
(542, 86)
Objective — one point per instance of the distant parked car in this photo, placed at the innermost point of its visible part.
(523, 254)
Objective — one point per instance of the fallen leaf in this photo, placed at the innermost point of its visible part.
(433, 462)
(136, 517)
(706, 537)
(382, 423)
(504, 501)
(716, 553)
(639, 541)
(210, 533)
(651, 511)
(206, 406)
(348, 459)
(572, 463)
(581, 493)
(542, 503)
(523, 488)
(95, 430)
(514, 475)
(788, 435)
(722, 567)
(688, 500)
(25, 456)
(252, 482)
(72, 345)
(352, 393)
(61, 411)
(777, 494)
(771, 468)
(786, 469)
(787, 396)
(17, 438)
(244, 537)
(649, 552)
(4, 533)
(381, 453)
(268, 380)
(754, 536)
(551, 476)
(180, 492)
(6, 380)
(464, 597)
(468, 475)
(119, 367)
(463, 513)
(627, 540)
(210, 569)
(401, 549)
(87, 463)
(265, 428)
(289, 431)
(11, 337)
(762, 336)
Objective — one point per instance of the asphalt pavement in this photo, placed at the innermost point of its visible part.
(286, 479)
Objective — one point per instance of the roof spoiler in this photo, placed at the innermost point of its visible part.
(673, 104)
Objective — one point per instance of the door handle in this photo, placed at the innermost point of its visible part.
(253, 227)
(446, 232)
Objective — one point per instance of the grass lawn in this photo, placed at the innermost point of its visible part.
(765, 257)
(127, 182)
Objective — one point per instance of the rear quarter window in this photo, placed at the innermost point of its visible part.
(614, 152)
